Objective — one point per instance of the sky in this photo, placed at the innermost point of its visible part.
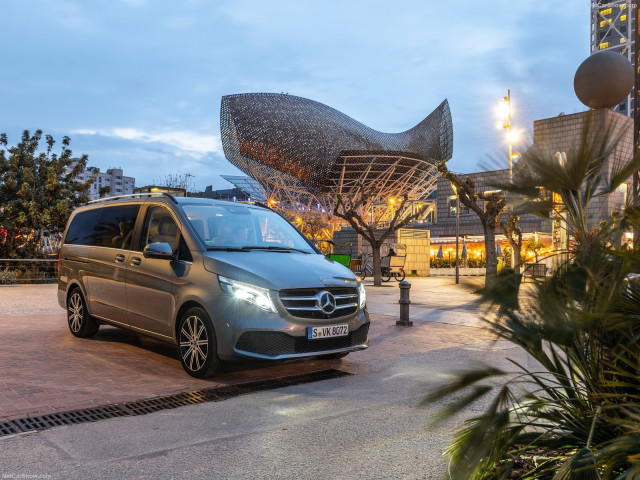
(137, 84)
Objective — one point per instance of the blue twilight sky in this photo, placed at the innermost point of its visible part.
(137, 83)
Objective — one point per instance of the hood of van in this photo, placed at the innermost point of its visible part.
(279, 270)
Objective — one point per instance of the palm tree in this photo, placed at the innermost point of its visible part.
(578, 415)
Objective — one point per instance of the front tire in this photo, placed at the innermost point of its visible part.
(197, 344)
(81, 324)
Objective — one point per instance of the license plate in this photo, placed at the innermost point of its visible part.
(314, 333)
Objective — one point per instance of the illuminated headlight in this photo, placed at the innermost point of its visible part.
(363, 295)
(249, 293)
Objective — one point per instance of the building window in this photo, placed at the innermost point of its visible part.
(623, 7)
(605, 23)
(604, 45)
(623, 18)
(452, 207)
(623, 40)
(606, 11)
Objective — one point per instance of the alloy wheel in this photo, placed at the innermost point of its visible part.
(75, 312)
(194, 343)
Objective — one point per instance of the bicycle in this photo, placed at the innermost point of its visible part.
(366, 268)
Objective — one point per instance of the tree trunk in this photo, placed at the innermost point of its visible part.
(377, 273)
(517, 259)
(490, 249)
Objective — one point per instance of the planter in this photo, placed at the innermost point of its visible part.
(451, 272)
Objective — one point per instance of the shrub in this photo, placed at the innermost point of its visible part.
(578, 415)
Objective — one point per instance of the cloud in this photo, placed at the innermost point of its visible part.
(189, 142)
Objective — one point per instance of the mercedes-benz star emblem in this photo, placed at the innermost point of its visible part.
(326, 302)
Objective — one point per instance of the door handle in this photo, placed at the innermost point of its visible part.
(136, 261)
(119, 258)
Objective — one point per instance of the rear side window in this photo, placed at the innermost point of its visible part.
(116, 225)
(83, 228)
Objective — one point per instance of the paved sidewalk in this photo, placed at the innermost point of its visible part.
(44, 369)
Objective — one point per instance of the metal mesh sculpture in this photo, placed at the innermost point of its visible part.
(304, 152)
(248, 185)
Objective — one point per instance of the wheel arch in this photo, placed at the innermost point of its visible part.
(183, 308)
(76, 285)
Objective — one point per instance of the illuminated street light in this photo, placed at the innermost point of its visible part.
(455, 190)
(511, 136)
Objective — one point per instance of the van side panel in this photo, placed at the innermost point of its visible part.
(75, 267)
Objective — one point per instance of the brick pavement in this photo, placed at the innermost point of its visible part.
(44, 369)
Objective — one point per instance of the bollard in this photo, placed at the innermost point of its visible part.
(404, 304)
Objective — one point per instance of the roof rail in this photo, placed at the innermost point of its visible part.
(137, 195)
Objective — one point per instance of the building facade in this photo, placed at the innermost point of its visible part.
(553, 137)
(113, 178)
(613, 28)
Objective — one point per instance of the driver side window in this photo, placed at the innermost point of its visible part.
(159, 226)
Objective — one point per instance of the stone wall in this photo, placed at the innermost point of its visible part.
(564, 133)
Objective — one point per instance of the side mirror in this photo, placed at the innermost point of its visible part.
(161, 250)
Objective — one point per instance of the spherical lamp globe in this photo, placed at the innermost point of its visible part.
(603, 80)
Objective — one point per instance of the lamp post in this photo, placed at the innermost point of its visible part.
(457, 233)
(509, 133)
(511, 137)
(186, 183)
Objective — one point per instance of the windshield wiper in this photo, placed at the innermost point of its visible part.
(222, 248)
(273, 248)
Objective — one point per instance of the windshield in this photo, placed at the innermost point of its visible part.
(236, 227)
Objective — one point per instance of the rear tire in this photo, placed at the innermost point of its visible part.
(399, 276)
(197, 344)
(81, 324)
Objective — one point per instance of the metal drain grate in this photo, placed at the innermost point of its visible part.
(8, 428)
(150, 405)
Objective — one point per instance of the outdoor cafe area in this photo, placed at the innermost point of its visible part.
(472, 250)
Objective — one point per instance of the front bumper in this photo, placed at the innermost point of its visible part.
(271, 345)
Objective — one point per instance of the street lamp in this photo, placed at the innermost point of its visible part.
(511, 137)
(455, 190)
(186, 183)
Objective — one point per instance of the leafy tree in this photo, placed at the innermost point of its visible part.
(104, 191)
(577, 414)
(533, 245)
(350, 208)
(494, 206)
(38, 192)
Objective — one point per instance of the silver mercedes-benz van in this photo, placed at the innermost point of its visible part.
(220, 280)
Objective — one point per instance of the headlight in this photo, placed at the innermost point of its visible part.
(363, 295)
(249, 293)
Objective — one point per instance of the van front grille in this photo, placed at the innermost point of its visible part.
(303, 302)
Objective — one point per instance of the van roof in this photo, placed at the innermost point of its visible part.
(167, 197)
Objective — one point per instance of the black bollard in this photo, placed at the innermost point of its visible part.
(404, 304)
